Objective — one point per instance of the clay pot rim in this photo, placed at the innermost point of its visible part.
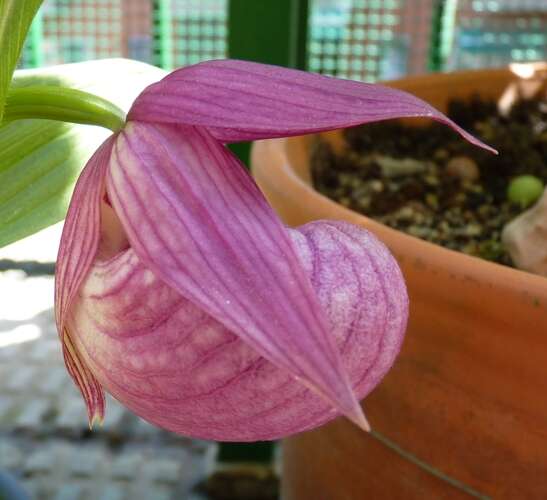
(470, 267)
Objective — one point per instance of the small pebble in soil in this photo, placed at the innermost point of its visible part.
(524, 190)
(430, 183)
(463, 167)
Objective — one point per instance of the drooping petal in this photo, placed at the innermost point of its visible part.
(243, 101)
(194, 217)
(78, 248)
(176, 366)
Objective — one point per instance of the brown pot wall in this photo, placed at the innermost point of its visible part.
(463, 413)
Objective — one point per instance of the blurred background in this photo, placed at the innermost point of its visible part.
(358, 39)
(44, 439)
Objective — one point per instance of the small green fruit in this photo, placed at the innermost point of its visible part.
(524, 190)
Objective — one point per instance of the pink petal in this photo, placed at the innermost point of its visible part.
(179, 368)
(195, 218)
(79, 244)
(242, 101)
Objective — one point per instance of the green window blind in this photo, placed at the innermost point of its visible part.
(169, 33)
(370, 39)
(76, 30)
(189, 31)
(359, 39)
(492, 33)
(199, 30)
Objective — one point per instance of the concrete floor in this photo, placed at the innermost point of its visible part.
(44, 435)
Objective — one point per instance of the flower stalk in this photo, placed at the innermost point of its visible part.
(62, 104)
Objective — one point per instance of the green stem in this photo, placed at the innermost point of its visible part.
(62, 104)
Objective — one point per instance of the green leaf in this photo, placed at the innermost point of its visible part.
(15, 19)
(40, 160)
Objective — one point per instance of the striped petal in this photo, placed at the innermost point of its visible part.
(242, 101)
(195, 218)
(77, 251)
(178, 367)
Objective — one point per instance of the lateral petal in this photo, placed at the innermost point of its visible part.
(244, 101)
(77, 250)
(195, 218)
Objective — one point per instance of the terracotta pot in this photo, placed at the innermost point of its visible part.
(463, 413)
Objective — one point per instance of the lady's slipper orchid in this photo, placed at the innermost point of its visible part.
(181, 293)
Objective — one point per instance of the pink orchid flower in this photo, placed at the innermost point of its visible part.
(181, 293)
